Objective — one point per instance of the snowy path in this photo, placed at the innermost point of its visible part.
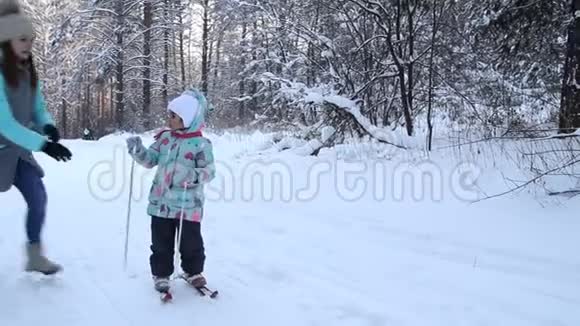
(320, 262)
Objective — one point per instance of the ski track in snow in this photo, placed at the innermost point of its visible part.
(323, 262)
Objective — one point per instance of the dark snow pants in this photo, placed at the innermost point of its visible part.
(164, 232)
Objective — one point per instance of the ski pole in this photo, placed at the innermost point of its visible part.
(128, 214)
(179, 232)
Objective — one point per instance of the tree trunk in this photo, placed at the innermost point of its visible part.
(112, 114)
(173, 48)
(102, 116)
(120, 88)
(165, 93)
(431, 55)
(181, 46)
(87, 106)
(147, 22)
(63, 111)
(189, 56)
(570, 100)
(405, 91)
(242, 108)
(216, 66)
(410, 67)
(205, 48)
(253, 84)
(209, 62)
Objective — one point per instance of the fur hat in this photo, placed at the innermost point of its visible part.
(14, 23)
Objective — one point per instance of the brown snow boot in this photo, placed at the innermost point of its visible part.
(37, 262)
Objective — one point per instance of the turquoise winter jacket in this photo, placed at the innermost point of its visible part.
(15, 132)
(22, 111)
(185, 163)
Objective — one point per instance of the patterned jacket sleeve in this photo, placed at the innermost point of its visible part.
(148, 157)
(205, 165)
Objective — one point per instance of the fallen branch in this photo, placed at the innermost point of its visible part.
(364, 124)
(525, 184)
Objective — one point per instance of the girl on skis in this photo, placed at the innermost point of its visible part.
(24, 122)
(185, 162)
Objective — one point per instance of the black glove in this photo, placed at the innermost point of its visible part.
(52, 133)
(57, 151)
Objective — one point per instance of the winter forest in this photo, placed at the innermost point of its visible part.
(497, 67)
(384, 70)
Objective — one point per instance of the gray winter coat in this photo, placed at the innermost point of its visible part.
(22, 119)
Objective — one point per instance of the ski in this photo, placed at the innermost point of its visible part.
(203, 290)
(165, 296)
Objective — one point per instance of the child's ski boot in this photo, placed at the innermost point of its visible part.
(197, 281)
(161, 284)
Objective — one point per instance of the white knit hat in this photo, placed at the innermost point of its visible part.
(186, 107)
(14, 23)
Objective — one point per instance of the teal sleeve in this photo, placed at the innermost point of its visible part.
(13, 130)
(42, 116)
(205, 169)
(148, 157)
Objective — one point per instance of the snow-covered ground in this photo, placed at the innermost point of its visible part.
(317, 241)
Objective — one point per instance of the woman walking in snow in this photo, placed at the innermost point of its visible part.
(185, 163)
(22, 106)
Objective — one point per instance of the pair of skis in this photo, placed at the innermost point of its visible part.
(166, 295)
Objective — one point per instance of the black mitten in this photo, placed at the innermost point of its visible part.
(57, 151)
